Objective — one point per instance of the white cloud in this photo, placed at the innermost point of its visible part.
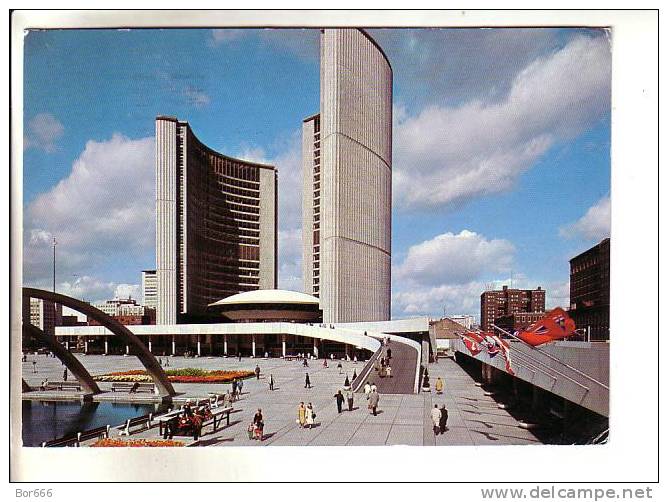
(455, 259)
(104, 210)
(594, 225)
(225, 35)
(44, 130)
(196, 97)
(447, 155)
(128, 291)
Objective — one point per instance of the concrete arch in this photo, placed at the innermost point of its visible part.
(72, 363)
(153, 368)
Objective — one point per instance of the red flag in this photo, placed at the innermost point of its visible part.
(554, 326)
(472, 342)
(504, 348)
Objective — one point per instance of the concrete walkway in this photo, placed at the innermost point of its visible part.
(474, 419)
(403, 364)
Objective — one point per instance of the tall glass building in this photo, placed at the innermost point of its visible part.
(347, 176)
(216, 224)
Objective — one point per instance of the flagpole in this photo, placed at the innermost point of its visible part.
(550, 356)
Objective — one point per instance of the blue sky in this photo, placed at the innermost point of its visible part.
(501, 149)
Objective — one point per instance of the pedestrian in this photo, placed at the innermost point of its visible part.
(310, 416)
(443, 420)
(388, 371)
(240, 386)
(239, 356)
(354, 375)
(350, 395)
(439, 385)
(389, 353)
(160, 361)
(340, 366)
(65, 375)
(167, 363)
(226, 400)
(257, 372)
(373, 387)
(374, 398)
(339, 400)
(346, 383)
(436, 419)
(324, 363)
(307, 382)
(367, 390)
(271, 382)
(234, 387)
(301, 415)
(355, 359)
(382, 362)
(24, 358)
(34, 366)
(305, 363)
(258, 422)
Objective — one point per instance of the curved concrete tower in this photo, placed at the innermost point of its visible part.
(348, 198)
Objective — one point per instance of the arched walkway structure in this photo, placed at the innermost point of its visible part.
(153, 368)
(72, 363)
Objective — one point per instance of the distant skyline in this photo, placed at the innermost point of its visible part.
(501, 161)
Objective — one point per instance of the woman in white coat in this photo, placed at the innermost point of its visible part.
(310, 416)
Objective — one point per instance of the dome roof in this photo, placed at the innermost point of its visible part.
(267, 296)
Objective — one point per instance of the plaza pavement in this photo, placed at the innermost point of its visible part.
(403, 419)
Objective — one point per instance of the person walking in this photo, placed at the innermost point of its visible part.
(436, 419)
(374, 398)
(350, 395)
(234, 388)
(354, 375)
(340, 366)
(307, 382)
(389, 354)
(443, 420)
(301, 415)
(367, 390)
(258, 422)
(388, 371)
(310, 416)
(240, 385)
(65, 375)
(257, 372)
(305, 363)
(34, 366)
(439, 385)
(373, 387)
(339, 400)
(346, 383)
(239, 356)
(271, 382)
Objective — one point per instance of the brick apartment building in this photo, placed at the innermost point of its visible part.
(505, 302)
(518, 321)
(590, 290)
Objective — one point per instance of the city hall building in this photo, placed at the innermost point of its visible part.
(215, 224)
(347, 178)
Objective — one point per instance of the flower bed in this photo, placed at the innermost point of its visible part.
(183, 375)
(136, 443)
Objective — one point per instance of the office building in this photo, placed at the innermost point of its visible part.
(216, 230)
(504, 302)
(590, 291)
(149, 288)
(347, 177)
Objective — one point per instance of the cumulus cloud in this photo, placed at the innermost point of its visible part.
(455, 259)
(43, 131)
(103, 210)
(594, 225)
(446, 155)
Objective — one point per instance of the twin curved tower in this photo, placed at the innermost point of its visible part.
(347, 170)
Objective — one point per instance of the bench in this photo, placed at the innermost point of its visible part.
(62, 385)
(97, 433)
(137, 423)
(127, 386)
(217, 415)
(70, 440)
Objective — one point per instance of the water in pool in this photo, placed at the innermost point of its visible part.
(47, 420)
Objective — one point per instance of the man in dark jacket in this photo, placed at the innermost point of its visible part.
(339, 401)
(442, 423)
